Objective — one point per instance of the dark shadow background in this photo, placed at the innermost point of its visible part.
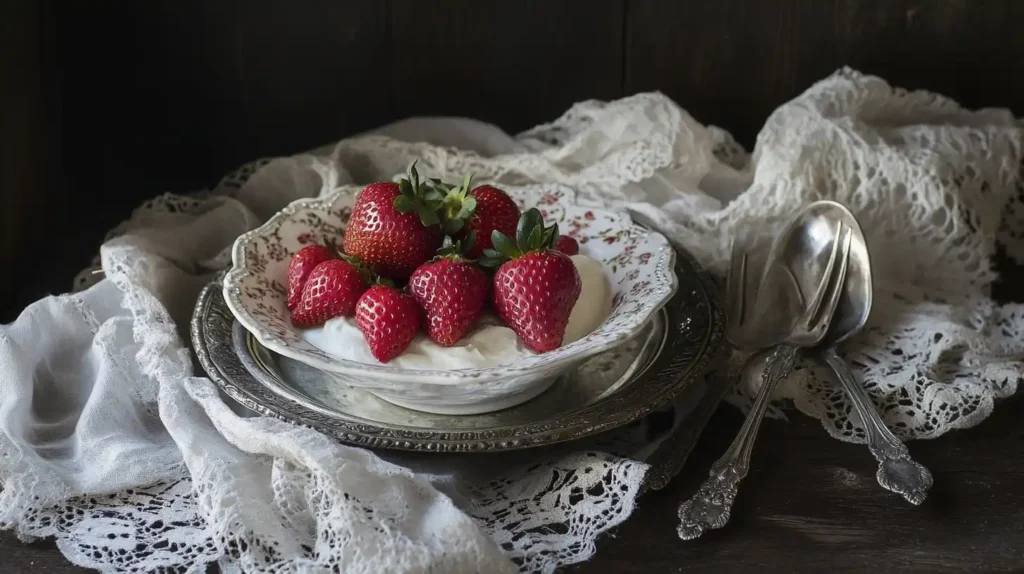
(109, 102)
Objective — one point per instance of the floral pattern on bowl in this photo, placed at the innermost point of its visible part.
(638, 263)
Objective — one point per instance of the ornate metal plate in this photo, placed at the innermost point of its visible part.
(669, 358)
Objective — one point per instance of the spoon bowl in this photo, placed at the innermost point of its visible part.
(855, 301)
(798, 261)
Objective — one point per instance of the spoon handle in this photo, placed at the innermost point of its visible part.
(709, 508)
(896, 471)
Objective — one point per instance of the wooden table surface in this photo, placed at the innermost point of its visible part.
(810, 504)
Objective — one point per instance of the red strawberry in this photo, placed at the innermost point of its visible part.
(331, 291)
(536, 286)
(394, 227)
(567, 245)
(299, 268)
(389, 319)
(452, 292)
(483, 210)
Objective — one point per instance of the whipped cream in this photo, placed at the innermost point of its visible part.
(489, 344)
(595, 301)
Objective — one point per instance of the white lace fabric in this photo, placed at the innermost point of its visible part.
(113, 443)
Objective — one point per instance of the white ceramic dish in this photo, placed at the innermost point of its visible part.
(638, 263)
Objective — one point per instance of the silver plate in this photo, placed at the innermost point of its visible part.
(669, 358)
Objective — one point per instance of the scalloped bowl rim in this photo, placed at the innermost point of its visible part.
(567, 354)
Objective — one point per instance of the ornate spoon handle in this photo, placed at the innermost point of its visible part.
(896, 471)
(709, 508)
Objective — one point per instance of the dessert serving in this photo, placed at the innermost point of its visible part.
(447, 297)
(484, 342)
(424, 234)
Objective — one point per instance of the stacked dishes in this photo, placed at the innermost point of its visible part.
(659, 334)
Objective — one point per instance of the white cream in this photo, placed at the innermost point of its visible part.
(488, 344)
(594, 303)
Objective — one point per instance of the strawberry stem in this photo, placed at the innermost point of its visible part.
(458, 205)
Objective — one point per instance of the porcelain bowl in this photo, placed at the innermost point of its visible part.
(638, 263)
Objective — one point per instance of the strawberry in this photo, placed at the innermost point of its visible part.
(332, 290)
(482, 211)
(395, 227)
(452, 292)
(389, 319)
(535, 287)
(567, 245)
(299, 268)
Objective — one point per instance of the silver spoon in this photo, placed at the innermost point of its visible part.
(896, 471)
(710, 507)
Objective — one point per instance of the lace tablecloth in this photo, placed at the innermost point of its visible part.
(113, 443)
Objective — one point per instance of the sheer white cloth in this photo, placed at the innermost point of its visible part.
(112, 442)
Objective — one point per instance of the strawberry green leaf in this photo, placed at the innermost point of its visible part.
(406, 189)
(492, 263)
(414, 176)
(545, 241)
(428, 217)
(420, 196)
(468, 207)
(527, 222)
(404, 204)
(551, 237)
(354, 261)
(456, 248)
(533, 242)
(448, 249)
(492, 259)
(504, 244)
(452, 226)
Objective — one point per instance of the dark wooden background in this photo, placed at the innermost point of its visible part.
(112, 101)
(108, 102)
